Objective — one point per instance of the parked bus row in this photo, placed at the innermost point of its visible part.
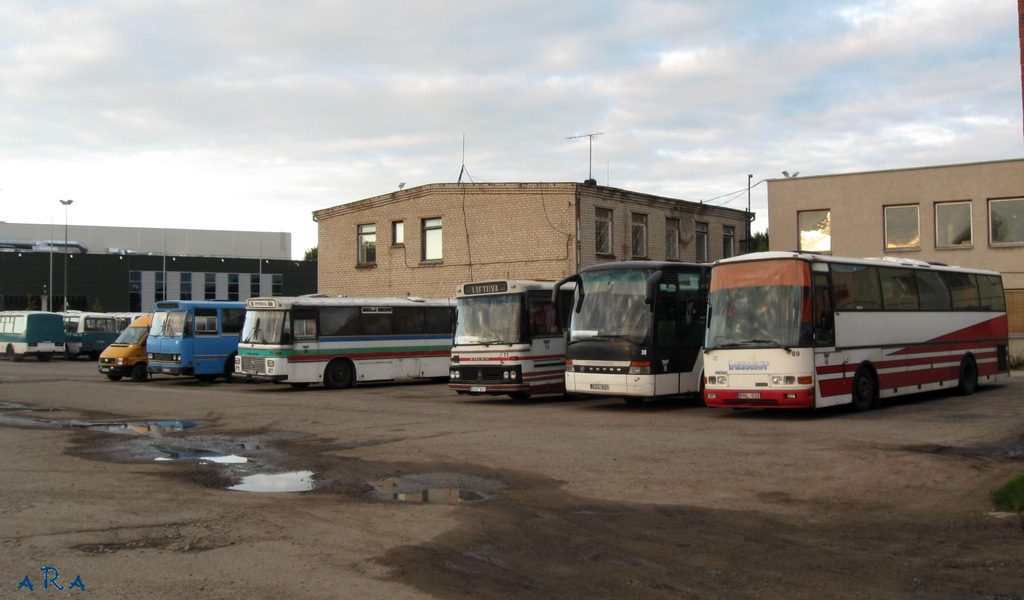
(71, 334)
(774, 329)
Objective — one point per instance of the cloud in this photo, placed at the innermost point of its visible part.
(258, 113)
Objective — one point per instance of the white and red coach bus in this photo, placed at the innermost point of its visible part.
(796, 330)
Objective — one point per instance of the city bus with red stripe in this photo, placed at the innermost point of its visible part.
(343, 341)
(798, 330)
(509, 339)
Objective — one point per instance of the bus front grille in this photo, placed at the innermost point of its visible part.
(256, 364)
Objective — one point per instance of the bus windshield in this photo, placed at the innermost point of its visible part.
(175, 323)
(760, 304)
(613, 307)
(489, 320)
(266, 327)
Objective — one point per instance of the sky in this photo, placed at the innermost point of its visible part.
(251, 115)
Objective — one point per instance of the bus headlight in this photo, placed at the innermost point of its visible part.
(776, 379)
(718, 380)
(454, 375)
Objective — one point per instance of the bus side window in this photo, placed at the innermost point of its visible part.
(824, 316)
(205, 321)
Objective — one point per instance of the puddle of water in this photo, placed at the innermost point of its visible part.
(157, 427)
(438, 496)
(404, 491)
(296, 481)
(175, 454)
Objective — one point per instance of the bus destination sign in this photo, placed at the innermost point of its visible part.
(494, 287)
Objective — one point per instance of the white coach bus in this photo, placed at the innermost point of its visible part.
(796, 330)
(509, 339)
(342, 341)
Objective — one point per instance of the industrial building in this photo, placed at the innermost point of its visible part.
(115, 269)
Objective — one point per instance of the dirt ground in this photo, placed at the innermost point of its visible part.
(547, 498)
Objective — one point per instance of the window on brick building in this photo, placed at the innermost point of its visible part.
(367, 244)
(671, 239)
(728, 241)
(432, 240)
(639, 236)
(700, 238)
(397, 233)
(603, 231)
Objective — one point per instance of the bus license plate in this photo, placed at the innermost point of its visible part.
(104, 369)
(599, 386)
(477, 388)
(749, 395)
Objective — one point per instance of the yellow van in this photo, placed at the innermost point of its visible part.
(127, 355)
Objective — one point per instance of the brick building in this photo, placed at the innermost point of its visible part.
(424, 241)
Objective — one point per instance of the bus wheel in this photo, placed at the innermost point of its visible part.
(114, 377)
(12, 355)
(968, 376)
(44, 356)
(139, 372)
(229, 371)
(339, 374)
(863, 390)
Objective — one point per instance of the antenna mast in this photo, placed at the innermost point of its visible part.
(590, 166)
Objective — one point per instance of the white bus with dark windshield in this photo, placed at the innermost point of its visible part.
(509, 339)
(636, 330)
(343, 341)
(794, 330)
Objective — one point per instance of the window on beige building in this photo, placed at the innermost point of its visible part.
(700, 237)
(1006, 221)
(728, 241)
(367, 244)
(902, 227)
(815, 231)
(639, 236)
(602, 231)
(397, 233)
(953, 225)
(671, 239)
(432, 247)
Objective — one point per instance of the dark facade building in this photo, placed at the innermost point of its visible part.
(107, 282)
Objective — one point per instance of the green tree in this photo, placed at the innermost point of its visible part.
(311, 254)
(759, 241)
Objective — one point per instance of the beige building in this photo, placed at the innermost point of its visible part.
(424, 241)
(970, 215)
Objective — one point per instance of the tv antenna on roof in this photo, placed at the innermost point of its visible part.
(590, 172)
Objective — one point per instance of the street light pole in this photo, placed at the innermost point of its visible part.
(66, 204)
(749, 178)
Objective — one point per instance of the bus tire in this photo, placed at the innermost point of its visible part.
(114, 377)
(229, 371)
(12, 355)
(44, 356)
(968, 379)
(139, 372)
(865, 394)
(339, 374)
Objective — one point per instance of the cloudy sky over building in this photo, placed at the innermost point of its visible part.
(251, 115)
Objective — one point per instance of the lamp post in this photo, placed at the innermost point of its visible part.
(66, 204)
(747, 233)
